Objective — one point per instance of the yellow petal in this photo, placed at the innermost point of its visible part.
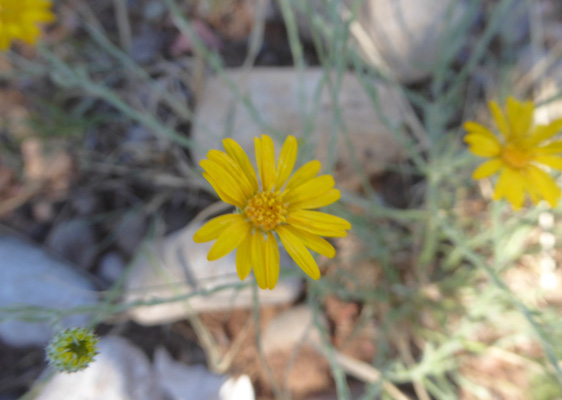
(41, 16)
(225, 181)
(232, 168)
(304, 174)
(550, 161)
(4, 41)
(531, 188)
(483, 145)
(237, 153)
(515, 192)
(551, 148)
(30, 33)
(519, 116)
(510, 185)
(258, 258)
(271, 267)
(499, 118)
(318, 223)
(545, 185)
(488, 168)
(244, 257)
(473, 127)
(212, 229)
(286, 161)
(545, 132)
(230, 238)
(224, 196)
(313, 242)
(298, 252)
(265, 158)
(311, 189)
(331, 196)
(39, 3)
(501, 184)
(317, 217)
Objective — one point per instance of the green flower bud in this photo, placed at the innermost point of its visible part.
(72, 349)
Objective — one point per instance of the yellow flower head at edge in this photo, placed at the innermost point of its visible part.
(519, 154)
(280, 205)
(20, 19)
(72, 349)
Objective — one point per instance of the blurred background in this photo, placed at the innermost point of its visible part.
(437, 292)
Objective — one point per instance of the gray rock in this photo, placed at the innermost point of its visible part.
(111, 267)
(279, 98)
(130, 231)
(195, 382)
(138, 133)
(75, 241)
(154, 10)
(147, 45)
(119, 372)
(32, 278)
(86, 203)
(177, 266)
(291, 328)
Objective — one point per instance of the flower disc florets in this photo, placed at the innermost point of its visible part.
(72, 349)
(516, 156)
(266, 210)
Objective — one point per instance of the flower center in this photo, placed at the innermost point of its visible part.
(266, 210)
(515, 157)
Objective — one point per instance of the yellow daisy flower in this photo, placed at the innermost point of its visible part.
(73, 349)
(19, 20)
(281, 205)
(518, 153)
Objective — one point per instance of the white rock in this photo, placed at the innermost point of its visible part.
(31, 278)
(280, 99)
(410, 34)
(237, 389)
(119, 372)
(177, 266)
(183, 382)
(290, 328)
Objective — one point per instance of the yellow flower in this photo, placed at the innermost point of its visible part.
(72, 350)
(281, 205)
(19, 20)
(518, 154)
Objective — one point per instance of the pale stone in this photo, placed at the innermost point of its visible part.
(281, 99)
(411, 34)
(176, 266)
(195, 382)
(291, 328)
(119, 372)
(407, 34)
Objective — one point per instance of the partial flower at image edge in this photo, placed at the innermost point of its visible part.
(22, 19)
(519, 155)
